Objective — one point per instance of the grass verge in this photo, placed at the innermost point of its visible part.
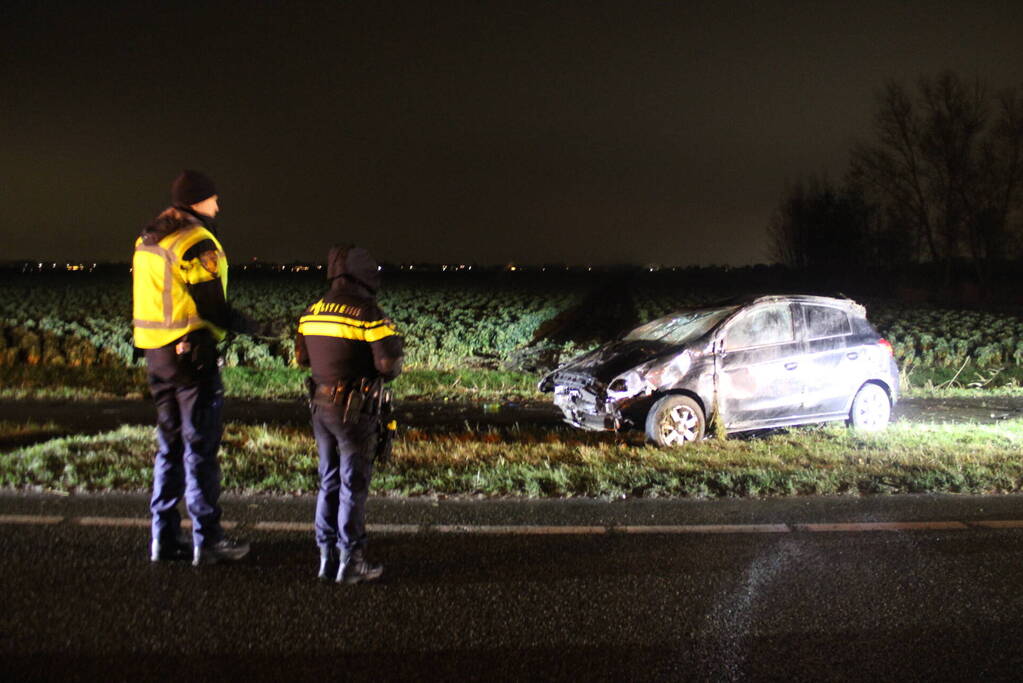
(70, 383)
(908, 458)
(14, 434)
(967, 381)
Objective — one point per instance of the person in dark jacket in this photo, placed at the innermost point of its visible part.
(352, 348)
(180, 312)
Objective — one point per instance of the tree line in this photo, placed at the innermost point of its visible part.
(937, 184)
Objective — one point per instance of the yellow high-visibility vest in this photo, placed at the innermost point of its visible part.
(163, 307)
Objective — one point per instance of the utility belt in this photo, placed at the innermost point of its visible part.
(353, 398)
(190, 358)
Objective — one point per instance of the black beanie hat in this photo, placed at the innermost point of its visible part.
(191, 187)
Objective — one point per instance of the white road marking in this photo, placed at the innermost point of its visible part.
(540, 530)
(30, 519)
(111, 521)
(883, 526)
(392, 528)
(706, 529)
(308, 526)
(187, 524)
(283, 526)
(524, 529)
(1001, 524)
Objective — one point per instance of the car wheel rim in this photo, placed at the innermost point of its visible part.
(679, 426)
(872, 409)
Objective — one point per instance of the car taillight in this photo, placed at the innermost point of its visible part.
(887, 344)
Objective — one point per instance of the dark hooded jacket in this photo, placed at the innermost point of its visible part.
(209, 296)
(345, 335)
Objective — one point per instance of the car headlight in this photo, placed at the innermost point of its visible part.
(649, 377)
(671, 372)
(627, 385)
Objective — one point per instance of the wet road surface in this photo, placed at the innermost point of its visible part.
(83, 602)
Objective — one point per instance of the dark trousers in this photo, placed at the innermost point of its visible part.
(346, 466)
(189, 400)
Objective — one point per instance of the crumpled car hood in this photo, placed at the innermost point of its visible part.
(607, 362)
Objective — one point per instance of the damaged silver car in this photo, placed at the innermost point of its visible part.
(770, 361)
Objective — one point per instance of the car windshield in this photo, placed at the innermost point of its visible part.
(682, 327)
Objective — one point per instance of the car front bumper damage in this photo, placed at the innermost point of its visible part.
(587, 407)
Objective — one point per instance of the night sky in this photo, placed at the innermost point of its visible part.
(659, 132)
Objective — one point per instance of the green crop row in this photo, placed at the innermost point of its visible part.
(449, 322)
(950, 338)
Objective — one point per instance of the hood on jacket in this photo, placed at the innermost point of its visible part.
(353, 264)
(170, 220)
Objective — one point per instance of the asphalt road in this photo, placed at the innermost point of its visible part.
(506, 590)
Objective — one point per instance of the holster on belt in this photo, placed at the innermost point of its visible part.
(195, 355)
(352, 398)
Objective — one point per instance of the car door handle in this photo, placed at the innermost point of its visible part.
(791, 366)
(852, 355)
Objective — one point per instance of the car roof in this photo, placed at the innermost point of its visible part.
(838, 302)
(843, 302)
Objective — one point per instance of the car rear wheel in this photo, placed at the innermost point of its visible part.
(675, 421)
(871, 409)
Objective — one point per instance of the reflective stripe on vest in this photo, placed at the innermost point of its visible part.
(343, 327)
(147, 328)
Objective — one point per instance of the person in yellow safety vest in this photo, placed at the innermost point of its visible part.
(180, 312)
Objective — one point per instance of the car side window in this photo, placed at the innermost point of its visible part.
(825, 321)
(763, 325)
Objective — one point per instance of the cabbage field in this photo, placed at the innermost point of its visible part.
(455, 320)
(84, 319)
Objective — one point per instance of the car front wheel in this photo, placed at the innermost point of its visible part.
(675, 421)
(871, 409)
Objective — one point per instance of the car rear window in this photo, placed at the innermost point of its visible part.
(825, 321)
(762, 325)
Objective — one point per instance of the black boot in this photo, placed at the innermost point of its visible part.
(168, 552)
(177, 548)
(355, 569)
(224, 550)
(329, 562)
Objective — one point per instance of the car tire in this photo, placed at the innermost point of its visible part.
(675, 421)
(871, 409)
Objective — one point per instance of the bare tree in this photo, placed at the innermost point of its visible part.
(818, 225)
(945, 166)
(997, 224)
